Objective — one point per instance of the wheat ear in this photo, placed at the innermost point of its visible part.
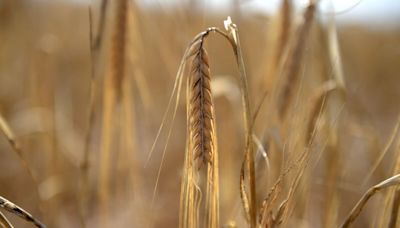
(111, 96)
(201, 106)
(201, 158)
(294, 61)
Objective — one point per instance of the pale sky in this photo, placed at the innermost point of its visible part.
(374, 12)
(370, 12)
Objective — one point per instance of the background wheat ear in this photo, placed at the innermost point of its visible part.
(120, 86)
(293, 64)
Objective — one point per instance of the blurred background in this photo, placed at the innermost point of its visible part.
(48, 72)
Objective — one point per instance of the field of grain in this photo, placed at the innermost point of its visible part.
(113, 114)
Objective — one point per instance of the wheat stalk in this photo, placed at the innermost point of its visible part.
(95, 41)
(100, 30)
(248, 164)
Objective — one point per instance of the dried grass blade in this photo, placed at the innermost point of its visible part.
(8, 132)
(384, 151)
(11, 207)
(4, 222)
(392, 181)
(5, 128)
(317, 107)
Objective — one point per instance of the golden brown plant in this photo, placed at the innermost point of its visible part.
(86, 145)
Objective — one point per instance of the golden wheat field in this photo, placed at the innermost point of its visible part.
(118, 114)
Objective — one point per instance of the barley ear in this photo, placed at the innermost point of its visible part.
(201, 157)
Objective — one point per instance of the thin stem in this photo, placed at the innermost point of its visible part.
(247, 114)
